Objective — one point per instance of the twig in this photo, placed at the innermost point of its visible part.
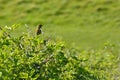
(46, 60)
(5, 32)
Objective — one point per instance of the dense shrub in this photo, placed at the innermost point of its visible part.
(35, 58)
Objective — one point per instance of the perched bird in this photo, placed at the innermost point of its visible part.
(39, 29)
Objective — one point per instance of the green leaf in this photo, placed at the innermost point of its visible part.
(23, 75)
(0, 74)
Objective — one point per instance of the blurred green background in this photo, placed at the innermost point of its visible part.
(80, 23)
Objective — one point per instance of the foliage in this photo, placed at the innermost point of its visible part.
(34, 58)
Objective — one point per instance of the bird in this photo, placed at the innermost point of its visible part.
(39, 29)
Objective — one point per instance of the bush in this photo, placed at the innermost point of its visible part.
(34, 58)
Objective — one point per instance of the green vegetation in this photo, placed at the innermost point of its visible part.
(89, 29)
(29, 57)
(84, 23)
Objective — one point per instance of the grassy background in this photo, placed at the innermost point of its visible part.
(82, 23)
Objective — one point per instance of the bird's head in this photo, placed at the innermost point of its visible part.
(40, 26)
